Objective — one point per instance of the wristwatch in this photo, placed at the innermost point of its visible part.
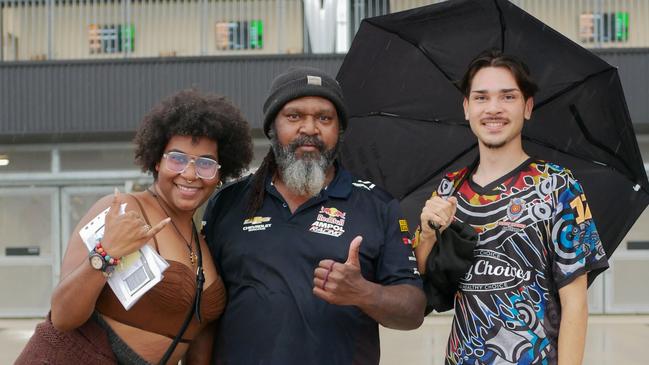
(97, 262)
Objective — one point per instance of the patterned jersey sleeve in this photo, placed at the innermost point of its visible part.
(577, 246)
(446, 186)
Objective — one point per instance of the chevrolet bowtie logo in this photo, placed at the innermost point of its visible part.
(256, 220)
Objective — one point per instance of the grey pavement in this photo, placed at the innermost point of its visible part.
(612, 340)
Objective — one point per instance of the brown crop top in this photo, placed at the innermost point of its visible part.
(164, 307)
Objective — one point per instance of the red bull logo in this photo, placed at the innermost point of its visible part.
(330, 221)
(332, 212)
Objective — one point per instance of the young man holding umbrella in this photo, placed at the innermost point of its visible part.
(524, 298)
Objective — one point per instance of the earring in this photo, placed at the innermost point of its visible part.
(220, 183)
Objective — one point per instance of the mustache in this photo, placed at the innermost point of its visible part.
(304, 140)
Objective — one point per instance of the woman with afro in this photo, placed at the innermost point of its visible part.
(190, 142)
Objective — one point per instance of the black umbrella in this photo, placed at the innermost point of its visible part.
(407, 126)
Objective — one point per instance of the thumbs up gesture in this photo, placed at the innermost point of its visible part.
(341, 283)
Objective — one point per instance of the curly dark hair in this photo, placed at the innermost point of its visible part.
(191, 113)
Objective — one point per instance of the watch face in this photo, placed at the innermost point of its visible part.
(97, 262)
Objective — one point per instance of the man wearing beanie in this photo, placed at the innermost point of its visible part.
(312, 258)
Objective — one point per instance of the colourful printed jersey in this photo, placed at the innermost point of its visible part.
(536, 235)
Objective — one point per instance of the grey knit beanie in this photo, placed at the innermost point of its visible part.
(298, 82)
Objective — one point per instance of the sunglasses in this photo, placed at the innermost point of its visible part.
(206, 168)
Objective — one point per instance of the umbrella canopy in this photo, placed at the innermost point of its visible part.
(407, 124)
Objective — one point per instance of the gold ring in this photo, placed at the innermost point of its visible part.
(147, 227)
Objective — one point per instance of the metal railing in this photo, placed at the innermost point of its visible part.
(595, 23)
(35, 30)
(82, 29)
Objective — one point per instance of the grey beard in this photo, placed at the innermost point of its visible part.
(306, 175)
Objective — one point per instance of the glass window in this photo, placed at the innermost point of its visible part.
(93, 159)
(25, 161)
(75, 204)
(26, 222)
(628, 287)
(643, 144)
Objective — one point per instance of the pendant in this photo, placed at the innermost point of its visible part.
(192, 257)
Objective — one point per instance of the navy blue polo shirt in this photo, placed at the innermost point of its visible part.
(267, 263)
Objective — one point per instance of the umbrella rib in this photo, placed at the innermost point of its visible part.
(502, 26)
(569, 88)
(448, 122)
(436, 172)
(583, 158)
(419, 47)
(595, 142)
(582, 127)
(430, 58)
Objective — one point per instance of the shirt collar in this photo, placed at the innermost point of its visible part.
(341, 185)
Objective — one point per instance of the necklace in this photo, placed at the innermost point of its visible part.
(189, 244)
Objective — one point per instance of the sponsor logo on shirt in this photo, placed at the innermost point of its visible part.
(330, 222)
(511, 226)
(256, 224)
(515, 208)
(403, 225)
(367, 185)
(493, 270)
(535, 210)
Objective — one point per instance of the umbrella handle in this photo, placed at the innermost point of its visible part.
(433, 225)
(436, 228)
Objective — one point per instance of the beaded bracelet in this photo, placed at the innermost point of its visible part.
(110, 261)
